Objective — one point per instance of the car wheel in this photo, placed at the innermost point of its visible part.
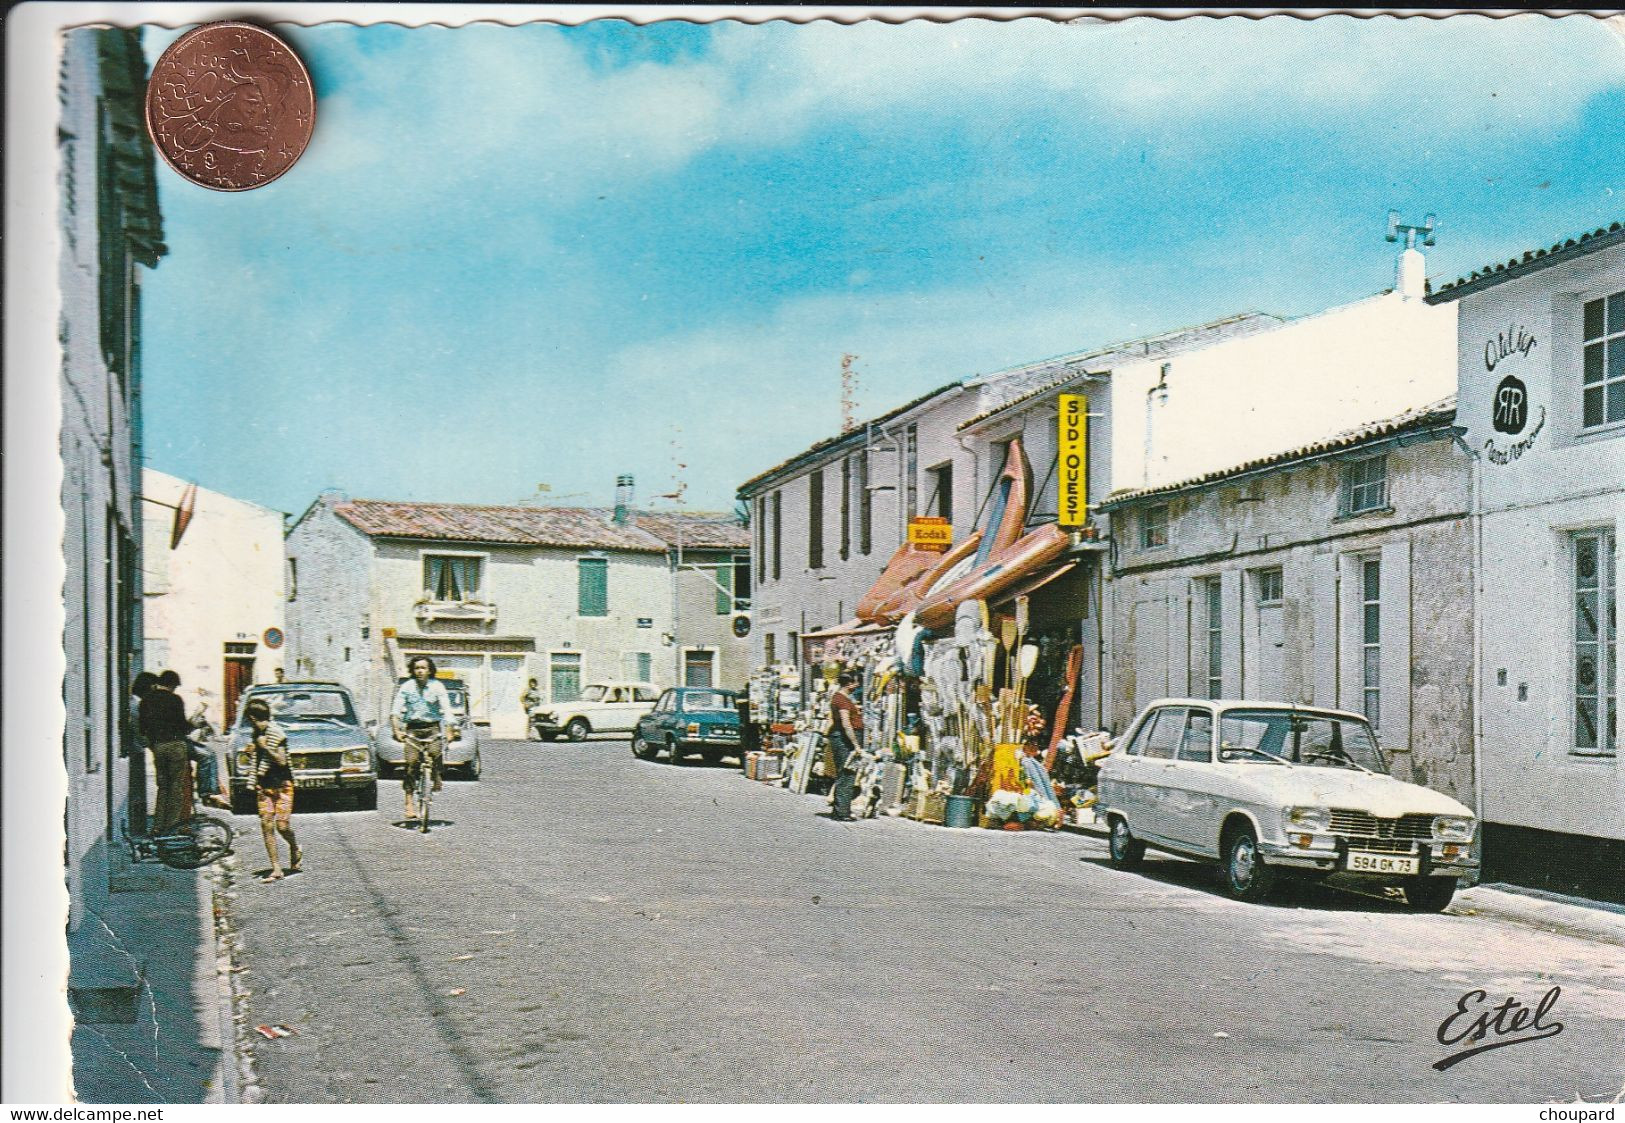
(1126, 850)
(472, 768)
(577, 730)
(674, 750)
(1245, 875)
(367, 799)
(642, 749)
(1429, 894)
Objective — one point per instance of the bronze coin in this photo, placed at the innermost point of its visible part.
(230, 106)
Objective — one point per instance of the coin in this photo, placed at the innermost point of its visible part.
(230, 106)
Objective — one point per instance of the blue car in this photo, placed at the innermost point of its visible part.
(687, 720)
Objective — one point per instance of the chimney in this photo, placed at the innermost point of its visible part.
(1410, 277)
(623, 500)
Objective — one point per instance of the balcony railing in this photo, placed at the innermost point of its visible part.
(455, 610)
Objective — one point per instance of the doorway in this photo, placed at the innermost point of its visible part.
(699, 668)
(239, 676)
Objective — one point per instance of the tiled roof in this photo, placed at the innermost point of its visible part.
(1530, 262)
(578, 527)
(698, 531)
(1436, 416)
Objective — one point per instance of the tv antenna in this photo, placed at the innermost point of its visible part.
(1396, 228)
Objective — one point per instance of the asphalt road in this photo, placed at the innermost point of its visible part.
(584, 926)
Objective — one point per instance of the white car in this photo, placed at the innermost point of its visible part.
(1268, 788)
(604, 707)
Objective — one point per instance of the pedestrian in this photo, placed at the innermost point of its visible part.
(164, 725)
(273, 783)
(846, 737)
(531, 698)
(277, 674)
(210, 787)
(418, 719)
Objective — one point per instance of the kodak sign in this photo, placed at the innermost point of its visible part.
(929, 532)
(1072, 460)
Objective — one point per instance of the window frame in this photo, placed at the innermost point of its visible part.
(1370, 638)
(1608, 341)
(939, 499)
(815, 519)
(582, 563)
(1176, 716)
(554, 660)
(431, 594)
(1353, 494)
(1154, 534)
(1604, 649)
(1213, 630)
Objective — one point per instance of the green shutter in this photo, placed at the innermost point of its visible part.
(593, 586)
(724, 587)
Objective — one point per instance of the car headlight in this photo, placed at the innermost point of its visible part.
(693, 729)
(1309, 818)
(548, 716)
(245, 760)
(1453, 828)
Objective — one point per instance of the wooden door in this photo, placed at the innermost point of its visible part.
(239, 676)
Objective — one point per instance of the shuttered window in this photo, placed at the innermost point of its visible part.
(592, 582)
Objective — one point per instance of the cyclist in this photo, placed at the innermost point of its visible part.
(418, 719)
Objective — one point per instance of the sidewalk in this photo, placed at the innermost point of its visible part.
(151, 1006)
(1552, 912)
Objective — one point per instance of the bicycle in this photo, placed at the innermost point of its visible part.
(425, 776)
(189, 845)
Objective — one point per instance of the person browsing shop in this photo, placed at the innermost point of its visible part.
(418, 719)
(846, 737)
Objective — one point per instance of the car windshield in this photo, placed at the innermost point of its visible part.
(295, 706)
(593, 694)
(708, 700)
(1321, 740)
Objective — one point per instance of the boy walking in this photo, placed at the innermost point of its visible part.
(273, 780)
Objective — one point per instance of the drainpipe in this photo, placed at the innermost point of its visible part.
(1157, 395)
(1476, 520)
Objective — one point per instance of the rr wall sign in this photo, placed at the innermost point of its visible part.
(1510, 409)
(1072, 460)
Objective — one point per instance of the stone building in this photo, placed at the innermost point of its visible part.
(1338, 574)
(501, 595)
(1542, 377)
(214, 602)
(111, 231)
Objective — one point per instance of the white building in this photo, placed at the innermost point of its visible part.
(1542, 399)
(500, 595)
(214, 603)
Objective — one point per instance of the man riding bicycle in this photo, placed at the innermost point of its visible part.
(419, 719)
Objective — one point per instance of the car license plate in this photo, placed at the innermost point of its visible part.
(1383, 863)
(314, 781)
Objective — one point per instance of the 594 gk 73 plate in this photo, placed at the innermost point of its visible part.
(230, 106)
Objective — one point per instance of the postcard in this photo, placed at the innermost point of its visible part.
(744, 555)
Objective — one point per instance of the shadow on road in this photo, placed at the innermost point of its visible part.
(1290, 892)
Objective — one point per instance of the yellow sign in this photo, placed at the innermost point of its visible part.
(930, 532)
(1072, 463)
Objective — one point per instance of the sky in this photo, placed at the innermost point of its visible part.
(544, 256)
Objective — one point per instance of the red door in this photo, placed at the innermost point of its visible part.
(239, 676)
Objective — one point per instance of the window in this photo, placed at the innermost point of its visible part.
(1197, 743)
(592, 586)
(1603, 399)
(1365, 485)
(941, 499)
(1164, 735)
(1154, 527)
(778, 528)
(815, 520)
(759, 536)
(1595, 644)
(846, 508)
(564, 676)
(293, 578)
(768, 653)
(451, 578)
(911, 472)
(741, 582)
(723, 582)
(636, 665)
(1213, 611)
(1268, 585)
(1371, 639)
(699, 668)
(865, 507)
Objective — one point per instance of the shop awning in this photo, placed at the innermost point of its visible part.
(853, 627)
(1035, 582)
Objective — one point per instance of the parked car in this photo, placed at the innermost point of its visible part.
(604, 707)
(690, 719)
(1269, 789)
(327, 745)
(460, 754)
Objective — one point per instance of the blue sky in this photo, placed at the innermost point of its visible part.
(515, 256)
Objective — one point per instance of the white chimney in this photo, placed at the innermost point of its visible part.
(623, 499)
(1411, 278)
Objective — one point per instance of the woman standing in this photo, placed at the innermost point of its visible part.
(846, 736)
